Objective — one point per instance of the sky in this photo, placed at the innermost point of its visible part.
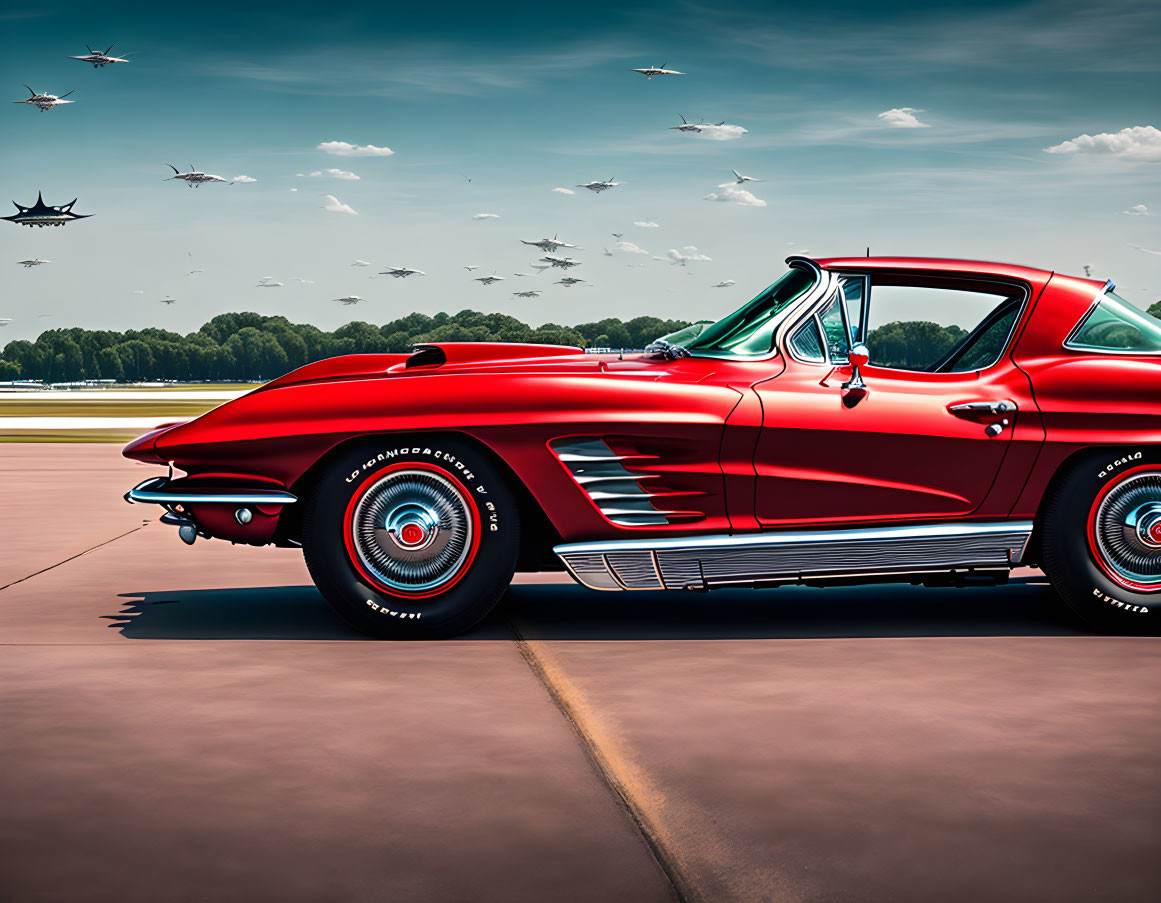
(1019, 132)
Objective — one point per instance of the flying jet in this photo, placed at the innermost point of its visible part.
(193, 178)
(302, 281)
(598, 186)
(168, 300)
(529, 294)
(194, 272)
(359, 263)
(548, 244)
(687, 126)
(401, 272)
(4, 321)
(41, 214)
(475, 266)
(99, 59)
(45, 101)
(725, 283)
(488, 280)
(651, 71)
(268, 282)
(540, 267)
(741, 179)
(569, 281)
(608, 253)
(563, 262)
(617, 234)
(348, 299)
(33, 262)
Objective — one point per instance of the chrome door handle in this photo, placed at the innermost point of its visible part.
(972, 410)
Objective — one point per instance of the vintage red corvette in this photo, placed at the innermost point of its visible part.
(770, 447)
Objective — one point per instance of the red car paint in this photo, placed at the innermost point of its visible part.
(735, 446)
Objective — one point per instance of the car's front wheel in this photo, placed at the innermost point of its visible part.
(1101, 540)
(411, 538)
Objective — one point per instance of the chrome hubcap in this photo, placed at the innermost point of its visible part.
(1128, 529)
(412, 530)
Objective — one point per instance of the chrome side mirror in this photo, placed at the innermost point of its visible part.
(854, 389)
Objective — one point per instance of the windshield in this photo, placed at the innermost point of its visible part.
(749, 330)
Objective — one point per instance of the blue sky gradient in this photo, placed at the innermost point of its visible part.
(523, 98)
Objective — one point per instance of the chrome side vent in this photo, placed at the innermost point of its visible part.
(615, 490)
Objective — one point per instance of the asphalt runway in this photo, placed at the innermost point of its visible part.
(194, 724)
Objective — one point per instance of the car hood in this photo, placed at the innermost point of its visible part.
(427, 357)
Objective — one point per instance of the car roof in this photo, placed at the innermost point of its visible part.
(937, 264)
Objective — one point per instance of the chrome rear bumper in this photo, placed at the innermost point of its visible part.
(164, 491)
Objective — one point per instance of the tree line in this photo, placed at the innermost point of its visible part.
(250, 347)
(246, 347)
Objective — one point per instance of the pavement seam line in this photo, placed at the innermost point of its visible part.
(70, 558)
(681, 888)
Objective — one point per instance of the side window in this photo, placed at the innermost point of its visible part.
(806, 344)
(939, 328)
(835, 330)
(1115, 325)
(854, 289)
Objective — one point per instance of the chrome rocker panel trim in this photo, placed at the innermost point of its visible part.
(702, 562)
(154, 491)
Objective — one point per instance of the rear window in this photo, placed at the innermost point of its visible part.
(1115, 326)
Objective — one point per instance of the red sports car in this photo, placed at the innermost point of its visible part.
(860, 420)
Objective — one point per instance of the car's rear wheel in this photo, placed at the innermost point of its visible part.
(411, 538)
(1101, 540)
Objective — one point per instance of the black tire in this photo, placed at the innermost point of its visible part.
(1091, 549)
(444, 494)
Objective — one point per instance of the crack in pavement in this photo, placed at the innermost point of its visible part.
(628, 785)
(70, 558)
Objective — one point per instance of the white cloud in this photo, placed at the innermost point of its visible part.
(1137, 210)
(564, 191)
(334, 205)
(722, 132)
(647, 224)
(689, 252)
(332, 173)
(629, 248)
(344, 149)
(485, 216)
(244, 179)
(731, 193)
(903, 118)
(1141, 144)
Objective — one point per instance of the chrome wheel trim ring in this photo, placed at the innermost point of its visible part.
(412, 530)
(1126, 529)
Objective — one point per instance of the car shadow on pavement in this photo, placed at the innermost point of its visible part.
(1025, 607)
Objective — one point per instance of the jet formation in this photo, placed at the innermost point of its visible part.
(598, 186)
(98, 58)
(549, 244)
(651, 71)
(45, 102)
(563, 262)
(401, 272)
(569, 281)
(488, 280)
(529, 294)
(33, 262)
(193, 178)
(348, 299)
